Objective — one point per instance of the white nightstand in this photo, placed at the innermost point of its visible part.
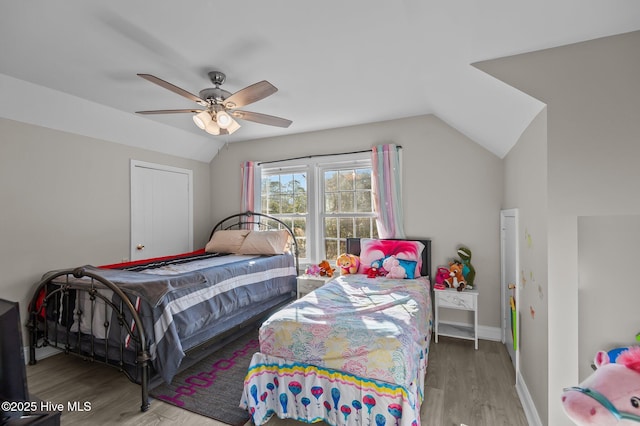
(466, 300)
(308, 283)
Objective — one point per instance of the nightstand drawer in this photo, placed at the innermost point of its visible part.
(457, 300)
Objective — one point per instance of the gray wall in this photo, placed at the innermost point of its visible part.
(592, 92)
(607, 256)
(452, 189)
(65, 203)
(525, 185)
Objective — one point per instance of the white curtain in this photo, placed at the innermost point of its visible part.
(387, 196)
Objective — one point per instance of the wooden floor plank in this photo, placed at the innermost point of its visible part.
(462, 386)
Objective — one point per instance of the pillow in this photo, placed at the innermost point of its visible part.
(226, 241)
(265, 242)
(372, 250)
(410, 267)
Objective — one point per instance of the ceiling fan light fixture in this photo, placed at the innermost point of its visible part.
(224, 120)
(233, 126)
(212, 128)
(202, 119)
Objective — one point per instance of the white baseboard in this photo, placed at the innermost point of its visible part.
(490, 333)
(527, 403)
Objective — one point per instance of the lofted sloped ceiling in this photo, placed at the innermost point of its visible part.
(72, 65)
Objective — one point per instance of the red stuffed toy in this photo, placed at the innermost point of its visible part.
(376, 270)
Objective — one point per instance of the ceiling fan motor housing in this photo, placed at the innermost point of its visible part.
(217, 77)
(214, 95)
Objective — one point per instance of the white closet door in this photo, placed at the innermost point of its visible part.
(509, 285)
(161, 210)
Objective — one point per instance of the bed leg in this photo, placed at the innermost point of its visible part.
(33, 339)
(144, 359)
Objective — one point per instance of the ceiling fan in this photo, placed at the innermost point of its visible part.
(219, 105)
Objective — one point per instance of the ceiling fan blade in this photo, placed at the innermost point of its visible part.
(175, 89)
(168, 111)
(250, 94)
(262, 118)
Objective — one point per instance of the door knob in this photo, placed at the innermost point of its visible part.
(511, 286)
(140, 247)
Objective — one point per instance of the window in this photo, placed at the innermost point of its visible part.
(283, 194)
(324, 203)
(348, 208)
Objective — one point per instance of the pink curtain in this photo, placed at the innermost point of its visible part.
(387, 197)
(247, 195)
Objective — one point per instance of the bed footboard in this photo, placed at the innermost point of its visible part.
(92, 319)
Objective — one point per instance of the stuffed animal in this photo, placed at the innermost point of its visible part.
(348, 263)
(376, 269)
(325, 269)
(455, 279)
(373, 272)
(313, 270)
(609, 396)
(468, 270)
(391, 264)
(441, 274)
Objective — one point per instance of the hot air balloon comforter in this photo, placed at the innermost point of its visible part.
(353, 352)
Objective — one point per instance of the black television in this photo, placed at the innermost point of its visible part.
(13, 373)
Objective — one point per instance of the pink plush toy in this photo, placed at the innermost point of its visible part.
(392, 265)
(348, 263)
(611, 395)
(313, 270)
(442, 274)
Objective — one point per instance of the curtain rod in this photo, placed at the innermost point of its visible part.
(318, 155)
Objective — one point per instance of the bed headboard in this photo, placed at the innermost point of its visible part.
(353, 247)
(258, 222)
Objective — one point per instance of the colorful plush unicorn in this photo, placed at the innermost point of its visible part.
(611, 395)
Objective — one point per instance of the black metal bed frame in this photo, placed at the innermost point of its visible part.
(57, 299)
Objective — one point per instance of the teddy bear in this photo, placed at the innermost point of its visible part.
(456, 279)
(325, 269)
(468, 270)
(392, 265)
(348, 263)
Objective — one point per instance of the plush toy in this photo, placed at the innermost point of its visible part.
(442, 274)
(391, 264)
(348, 263)
(325, 269)
(468, 270)
(376, 269)
(312, 270)
(609, 396)
(373, 272)
(455, 279)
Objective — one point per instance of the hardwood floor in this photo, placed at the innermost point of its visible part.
(463, 386)
(470, 387)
